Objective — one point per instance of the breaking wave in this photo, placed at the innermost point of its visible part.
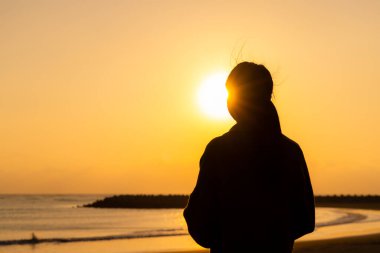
(141, 234)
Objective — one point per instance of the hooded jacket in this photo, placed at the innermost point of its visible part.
(253, 192)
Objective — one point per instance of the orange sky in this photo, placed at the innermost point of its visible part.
(100, 96)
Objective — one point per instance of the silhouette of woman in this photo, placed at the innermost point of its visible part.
(253, 192)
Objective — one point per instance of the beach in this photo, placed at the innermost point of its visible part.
(358, 244)
(360, 236)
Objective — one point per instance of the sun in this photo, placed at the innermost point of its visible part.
(212, 96)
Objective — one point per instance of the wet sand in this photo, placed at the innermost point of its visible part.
(362, 236)
(358, 244)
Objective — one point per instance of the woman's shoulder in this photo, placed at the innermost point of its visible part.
(286, 140)
(216, 143)
(219, 144)
(291, 145)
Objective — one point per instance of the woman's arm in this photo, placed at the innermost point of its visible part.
(304, 212)
(200, 212)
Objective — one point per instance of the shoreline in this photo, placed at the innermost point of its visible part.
(354, 244)
(353, 237)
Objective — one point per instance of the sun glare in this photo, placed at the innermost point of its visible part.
(212, 96)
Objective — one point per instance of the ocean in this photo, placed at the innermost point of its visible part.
(59, 220)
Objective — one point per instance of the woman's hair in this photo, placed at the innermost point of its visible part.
(250, 88)
(253, 78)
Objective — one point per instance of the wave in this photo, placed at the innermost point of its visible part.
(347, 218)
(141, 234)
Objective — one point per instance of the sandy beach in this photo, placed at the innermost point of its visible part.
(362, 236)
(358, 244)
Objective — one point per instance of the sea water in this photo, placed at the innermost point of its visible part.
(61, 219)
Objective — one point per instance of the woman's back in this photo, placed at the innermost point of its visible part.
(255, 184)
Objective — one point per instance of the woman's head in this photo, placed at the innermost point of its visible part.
(250, 88)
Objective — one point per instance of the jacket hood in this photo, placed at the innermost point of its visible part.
(260, 119)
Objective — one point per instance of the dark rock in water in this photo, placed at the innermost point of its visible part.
(141, 201)
(34, 238)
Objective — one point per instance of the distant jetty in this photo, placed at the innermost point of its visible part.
(349, 201)
(141, 201)
(180, 201)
